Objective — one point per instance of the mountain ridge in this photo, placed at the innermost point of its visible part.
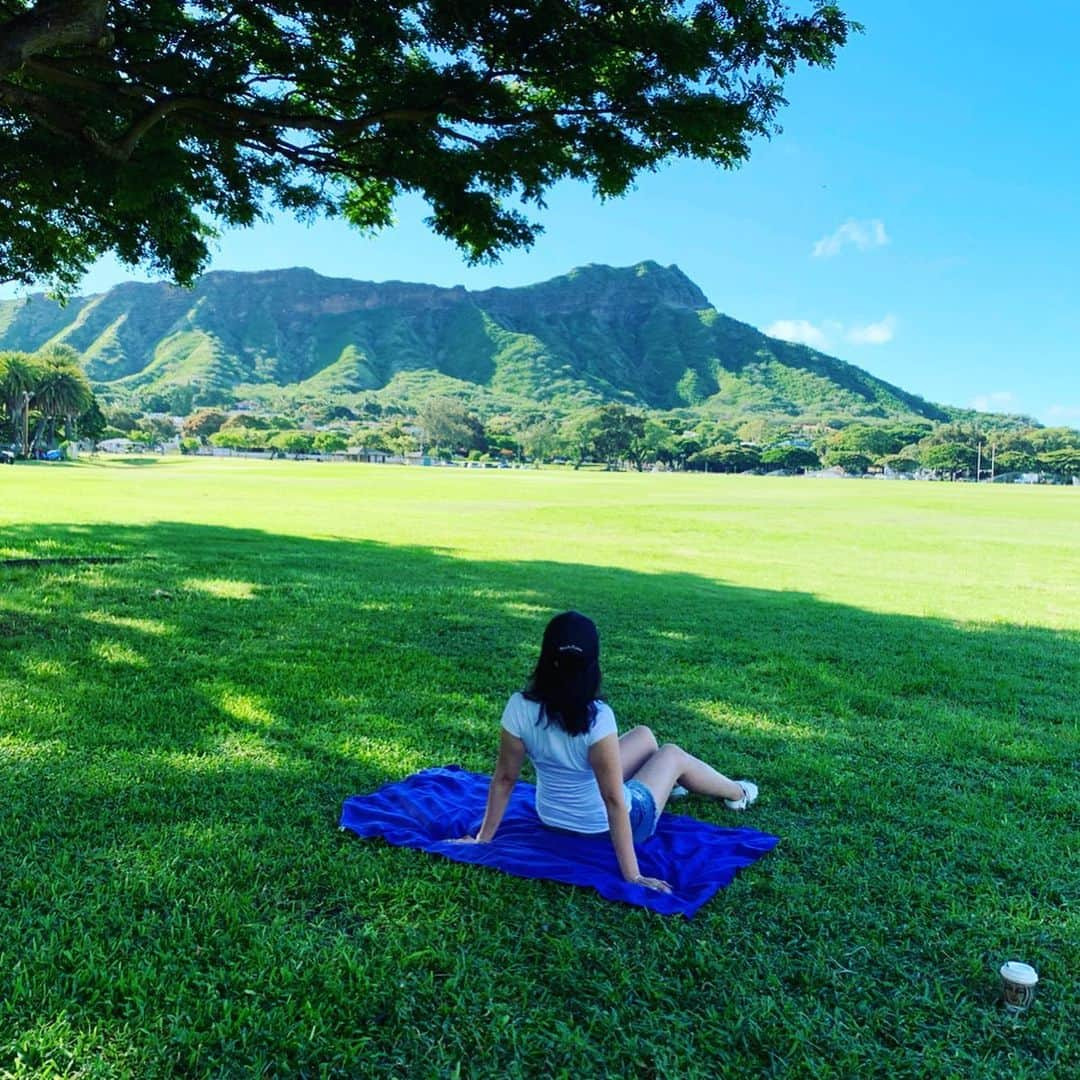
(644, 335)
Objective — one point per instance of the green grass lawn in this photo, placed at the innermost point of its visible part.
(896, 665)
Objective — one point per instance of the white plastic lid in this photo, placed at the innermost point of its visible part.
(1015, 972)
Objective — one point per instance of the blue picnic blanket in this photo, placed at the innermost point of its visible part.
(430, 808)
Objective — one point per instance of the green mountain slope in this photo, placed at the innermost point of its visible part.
(644, 335)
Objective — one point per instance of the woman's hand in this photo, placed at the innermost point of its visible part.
(468, 840)
(652, 883)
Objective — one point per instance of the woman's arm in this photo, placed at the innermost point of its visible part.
(607, 766)
(507, 769)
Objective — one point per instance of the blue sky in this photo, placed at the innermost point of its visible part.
(917, 216)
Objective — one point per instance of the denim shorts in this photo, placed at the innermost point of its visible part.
(642, 807)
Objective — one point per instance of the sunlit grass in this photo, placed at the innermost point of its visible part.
(226, 590)
(145, 626)
(895, 664)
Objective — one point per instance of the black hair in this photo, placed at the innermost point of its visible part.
(566, 679)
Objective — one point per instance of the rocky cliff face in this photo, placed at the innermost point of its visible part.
(644, 334)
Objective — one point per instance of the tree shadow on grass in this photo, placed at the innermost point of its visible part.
(179, 730)
(317, 625)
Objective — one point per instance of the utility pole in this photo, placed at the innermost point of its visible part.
(993, 454)
(978, 466)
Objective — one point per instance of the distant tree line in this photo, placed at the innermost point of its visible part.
(618, 436)
(962, 450)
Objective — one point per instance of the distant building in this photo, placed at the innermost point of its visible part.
(363, 454)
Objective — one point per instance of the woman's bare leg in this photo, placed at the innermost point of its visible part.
(635, 748)
(672, 765)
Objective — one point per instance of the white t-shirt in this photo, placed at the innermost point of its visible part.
(567, 795)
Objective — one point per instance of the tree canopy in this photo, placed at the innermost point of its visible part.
(447, 423)
(49, 387)
(137, 127)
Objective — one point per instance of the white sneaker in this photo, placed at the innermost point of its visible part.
(750, 790)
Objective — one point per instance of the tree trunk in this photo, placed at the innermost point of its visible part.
(37, 435)
(51, 25)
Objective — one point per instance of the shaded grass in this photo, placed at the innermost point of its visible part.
(178, 732)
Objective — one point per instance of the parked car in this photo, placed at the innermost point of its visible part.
(7, 457)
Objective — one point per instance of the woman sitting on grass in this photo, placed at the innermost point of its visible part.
(588, 780)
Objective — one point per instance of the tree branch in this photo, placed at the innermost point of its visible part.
(51, 73)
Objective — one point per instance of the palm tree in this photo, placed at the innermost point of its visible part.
(62, 392)
(19, 376)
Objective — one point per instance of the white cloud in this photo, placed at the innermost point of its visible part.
(877, 333)
(995, 402)
(829, 333)
(861, 235)
(799, 331)
(1064, 412)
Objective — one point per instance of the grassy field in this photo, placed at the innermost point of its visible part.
(895, 664)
